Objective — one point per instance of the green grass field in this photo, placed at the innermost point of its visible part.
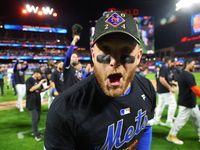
(15, 129)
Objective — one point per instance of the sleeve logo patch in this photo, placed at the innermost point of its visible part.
(125, 111)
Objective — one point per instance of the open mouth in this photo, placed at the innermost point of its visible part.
(115, 79)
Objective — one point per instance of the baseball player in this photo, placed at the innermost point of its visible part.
(71, 74)
(111, 108)
(174, 71)
(19, 72)
(56, 81)
(44, 84)
(33, 99)
(48, 71)
(165, 95)
(188, 90)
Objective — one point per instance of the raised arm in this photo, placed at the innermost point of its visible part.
(15, 65)
(70, 51)
(26, 66)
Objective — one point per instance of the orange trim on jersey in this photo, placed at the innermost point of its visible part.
(132, 145)
(196, 90)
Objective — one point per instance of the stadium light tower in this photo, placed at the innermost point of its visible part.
(186, 3)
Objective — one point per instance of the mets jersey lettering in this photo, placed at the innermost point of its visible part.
(113, 138)
(78, 74)
(21, 73)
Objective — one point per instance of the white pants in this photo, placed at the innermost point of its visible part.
(163, 100)
(50, 98)
(21, 91)
(9, 79)
(184, 114)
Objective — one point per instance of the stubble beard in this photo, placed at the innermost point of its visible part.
(113, 91)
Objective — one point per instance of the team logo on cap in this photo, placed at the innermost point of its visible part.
(115, 20)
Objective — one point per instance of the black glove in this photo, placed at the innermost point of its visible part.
(76, 29)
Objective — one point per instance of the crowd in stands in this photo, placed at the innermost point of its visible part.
(41, 52)
(22, 37)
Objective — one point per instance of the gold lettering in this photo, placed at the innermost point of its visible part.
(107, 15)
(123, 26)
(106, 26)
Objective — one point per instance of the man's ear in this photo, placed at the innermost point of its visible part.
(92, 54)
(139, 56)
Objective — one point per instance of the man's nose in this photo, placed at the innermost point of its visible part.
(115, 61)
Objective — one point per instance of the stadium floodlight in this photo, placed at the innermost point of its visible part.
(185, 3)
(55, 14)
(40, 13)
(24, 11)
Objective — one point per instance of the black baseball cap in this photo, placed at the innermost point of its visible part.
(37, 70)
(114, 22)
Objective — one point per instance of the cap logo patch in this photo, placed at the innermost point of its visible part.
(115, 20)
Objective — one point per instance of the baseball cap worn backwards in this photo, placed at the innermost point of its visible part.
(114, 22)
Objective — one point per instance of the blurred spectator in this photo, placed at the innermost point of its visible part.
(9, 73)
(2, 81)
(13, 83)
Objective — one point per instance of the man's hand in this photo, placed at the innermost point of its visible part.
(42, 81)
(75, 39)
(25, 62)
(55, 93)
(171, 90)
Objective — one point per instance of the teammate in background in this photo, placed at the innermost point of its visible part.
(109, 109)
(9, 73)
(157, 76)
(56, 81)
(165, 95)
(48, 71)
(13, 83)
(188, 90)
(140, 70)
(44, 84)
(2, 81)
(33, 99)
(19, 72)
(174, 73)
(71, 74)
(89, 69)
